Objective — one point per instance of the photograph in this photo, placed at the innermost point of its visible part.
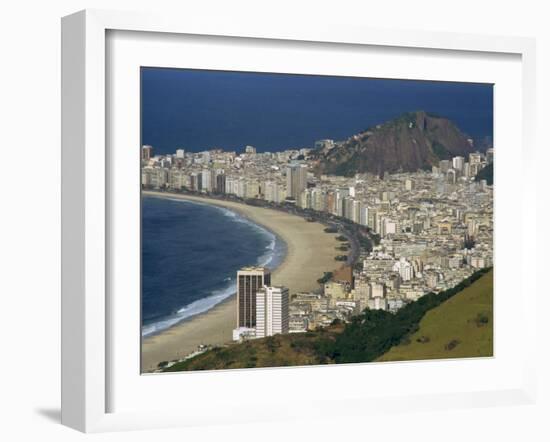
(291, 220)
(275, 220)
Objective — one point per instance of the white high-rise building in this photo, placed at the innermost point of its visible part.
(378, 303)
(341, 194)
(296, 180)
(466, 171)
(180, 153)
(405, 269)
(458, 163)
(206, 180)
(364, 216)
(318, 200)
(271, 191)
(240, 189)
(272, 312)
(389, 227)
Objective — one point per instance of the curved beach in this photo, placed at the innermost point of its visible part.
(310, 252)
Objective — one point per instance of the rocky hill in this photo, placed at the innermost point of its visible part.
(416, 140)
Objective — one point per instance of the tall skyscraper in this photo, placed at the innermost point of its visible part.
(207, 180)
(458, 163)
(249, 281)
(271, 311)
(296, 180)
(467, 170)
(271, 191)
(146, 152)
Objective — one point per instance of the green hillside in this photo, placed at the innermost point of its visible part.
(460, 327)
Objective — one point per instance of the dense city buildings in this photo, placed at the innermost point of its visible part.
(427, 230)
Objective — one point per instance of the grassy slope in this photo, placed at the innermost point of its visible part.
(455, 319)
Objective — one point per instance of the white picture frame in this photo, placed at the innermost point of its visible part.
(86, 204)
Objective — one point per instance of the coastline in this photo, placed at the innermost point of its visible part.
(310, 252)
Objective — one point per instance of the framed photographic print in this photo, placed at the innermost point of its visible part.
(251, 212)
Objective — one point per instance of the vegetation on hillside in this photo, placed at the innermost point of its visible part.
(460, 327)
(486, 174)
(440, 151)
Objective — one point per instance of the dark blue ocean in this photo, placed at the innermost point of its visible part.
(198, 110)
(190, 255)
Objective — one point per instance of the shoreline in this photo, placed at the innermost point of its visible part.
(309, 252)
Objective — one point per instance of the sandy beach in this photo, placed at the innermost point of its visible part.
(311, 252)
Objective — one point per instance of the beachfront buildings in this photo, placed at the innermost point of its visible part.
(271, 311)
(249, 281)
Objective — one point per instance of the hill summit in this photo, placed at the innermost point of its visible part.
(412, 141)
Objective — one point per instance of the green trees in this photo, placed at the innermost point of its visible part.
(325, 278)
(486, 174)
(272, 344)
